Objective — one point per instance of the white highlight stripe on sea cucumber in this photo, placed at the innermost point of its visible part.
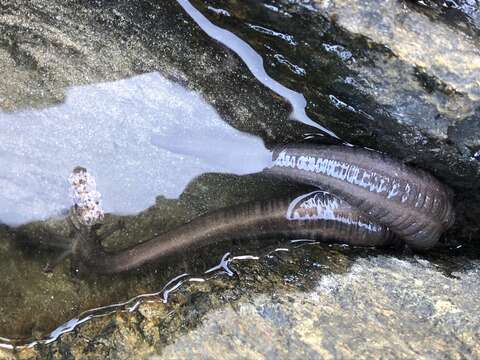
(323, 205)
(344, 171)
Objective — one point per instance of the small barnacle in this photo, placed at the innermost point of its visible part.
(85, 196)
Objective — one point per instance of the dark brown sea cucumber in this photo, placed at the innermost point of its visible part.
(372, 200)
(410, 202)
(316, 216)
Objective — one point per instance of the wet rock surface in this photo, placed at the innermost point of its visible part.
(400, 77)
(315, 303)
(49, 46)
(383, 307)
(397, 76)
(35, 303)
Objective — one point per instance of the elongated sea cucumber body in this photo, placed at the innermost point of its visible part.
(410, 202)
(316, 216)
(372, 200)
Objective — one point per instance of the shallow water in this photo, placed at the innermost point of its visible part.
(158, 150)
(141, 137)
(164, 148)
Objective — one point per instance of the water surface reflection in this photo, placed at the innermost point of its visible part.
(142, 137)
(159, 152)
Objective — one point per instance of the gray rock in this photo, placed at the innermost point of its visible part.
(381, 307)
(397, 77)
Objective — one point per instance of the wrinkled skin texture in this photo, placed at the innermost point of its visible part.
(405, 202)
(412, 203)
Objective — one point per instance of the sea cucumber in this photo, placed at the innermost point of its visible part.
(372, 200)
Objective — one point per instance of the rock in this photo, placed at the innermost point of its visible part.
(377, 306)
(51, 46)
(398, 77)
(384, 307)
(48, 48)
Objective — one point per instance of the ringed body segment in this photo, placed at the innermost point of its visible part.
(410, 202)
(371, 201)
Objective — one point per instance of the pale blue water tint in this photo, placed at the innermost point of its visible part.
(141, 137)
